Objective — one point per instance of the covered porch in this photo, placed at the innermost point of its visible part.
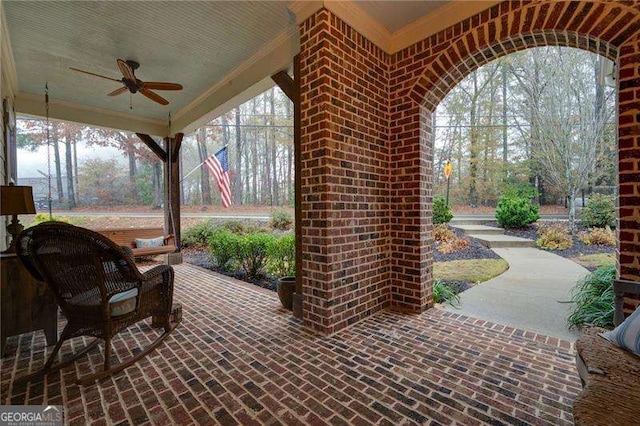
(239, 358)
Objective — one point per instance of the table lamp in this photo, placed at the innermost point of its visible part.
(15, 200)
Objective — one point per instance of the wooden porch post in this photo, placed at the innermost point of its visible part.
(291, 88)
(172, 193)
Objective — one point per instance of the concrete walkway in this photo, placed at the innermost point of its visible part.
(527, 295)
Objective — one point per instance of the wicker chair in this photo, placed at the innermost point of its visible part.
(98, 288)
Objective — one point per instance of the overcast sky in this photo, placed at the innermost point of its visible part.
(30, 162)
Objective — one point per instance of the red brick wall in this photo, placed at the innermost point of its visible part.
(629, 162)
(342, 69)
(345, 174)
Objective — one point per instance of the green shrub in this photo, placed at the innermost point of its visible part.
(441, 211)
(254, 250)
(224, 247)
(281, 220)
(442, 292)
(282, 256)
(593, 297)
(520, 190)
(598, 236)
(234, 226)
(599, 212)
(199, 234)
(516, 212)
(44, 217)
(554, 237)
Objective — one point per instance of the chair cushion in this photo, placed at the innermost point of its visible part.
(149, 242)
(123, 303)
(627, 334)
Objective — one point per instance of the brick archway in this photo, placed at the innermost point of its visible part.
(603, 27)
(367, 173)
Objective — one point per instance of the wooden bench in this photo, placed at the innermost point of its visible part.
(610, 375)
(127, 237)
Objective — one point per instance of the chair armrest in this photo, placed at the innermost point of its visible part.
(127, 250)
(156, 271)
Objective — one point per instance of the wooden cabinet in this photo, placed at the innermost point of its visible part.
(26, 304)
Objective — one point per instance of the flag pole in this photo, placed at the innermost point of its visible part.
(194, 169)
(200, 165)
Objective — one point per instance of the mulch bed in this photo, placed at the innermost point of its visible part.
(578, 248)
(476, 250)
(203, 259)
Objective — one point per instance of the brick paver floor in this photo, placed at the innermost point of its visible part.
(238, 358)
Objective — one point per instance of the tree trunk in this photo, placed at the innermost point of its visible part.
(205, 184)
(573, 193)
(237, 181)
(505, 144)
(71, 203)
(157, 188)
(473, 146)
(274, 151)
(133, 171)
(254, 163)
(75, 168)
(289, 177)
(56, 152)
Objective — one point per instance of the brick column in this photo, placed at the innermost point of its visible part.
(345, 174)
(629, 160)
(411, 217)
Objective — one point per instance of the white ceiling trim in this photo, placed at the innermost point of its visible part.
(440, 19)
(33, 105)
(6, 58)
(304, 9)
(361, 21)
(273, 57)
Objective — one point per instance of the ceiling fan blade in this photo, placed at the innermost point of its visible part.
(94, 74)
(126, 71)
(156, 85)
(119, 91)
(154, 96)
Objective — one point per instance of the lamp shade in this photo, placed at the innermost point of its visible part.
(16, 200)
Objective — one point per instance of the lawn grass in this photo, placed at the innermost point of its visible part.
(473, 270)
(596, 260)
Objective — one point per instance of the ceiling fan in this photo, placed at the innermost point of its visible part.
(134, 85)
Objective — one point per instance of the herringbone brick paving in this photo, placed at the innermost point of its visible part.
(238, 358)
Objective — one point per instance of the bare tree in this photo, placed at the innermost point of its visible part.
(572, 125)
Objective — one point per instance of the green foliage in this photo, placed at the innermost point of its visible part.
(234, 226)
(144, 183)
(282, 256)
(281, 220)
(593, 299)
(199, 234)
(554, 237)
(441, 211)
(520, 190)
(44, 217)
(442, 292)
(599, 236)
(516, 212)
(599, 212)
(224, 246)
(253, 251)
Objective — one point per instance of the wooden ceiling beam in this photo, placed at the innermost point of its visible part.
(286, 83)
(153, 146)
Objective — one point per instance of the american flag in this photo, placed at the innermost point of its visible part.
(218, 166)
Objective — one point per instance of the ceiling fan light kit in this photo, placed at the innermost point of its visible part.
(132, 84)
